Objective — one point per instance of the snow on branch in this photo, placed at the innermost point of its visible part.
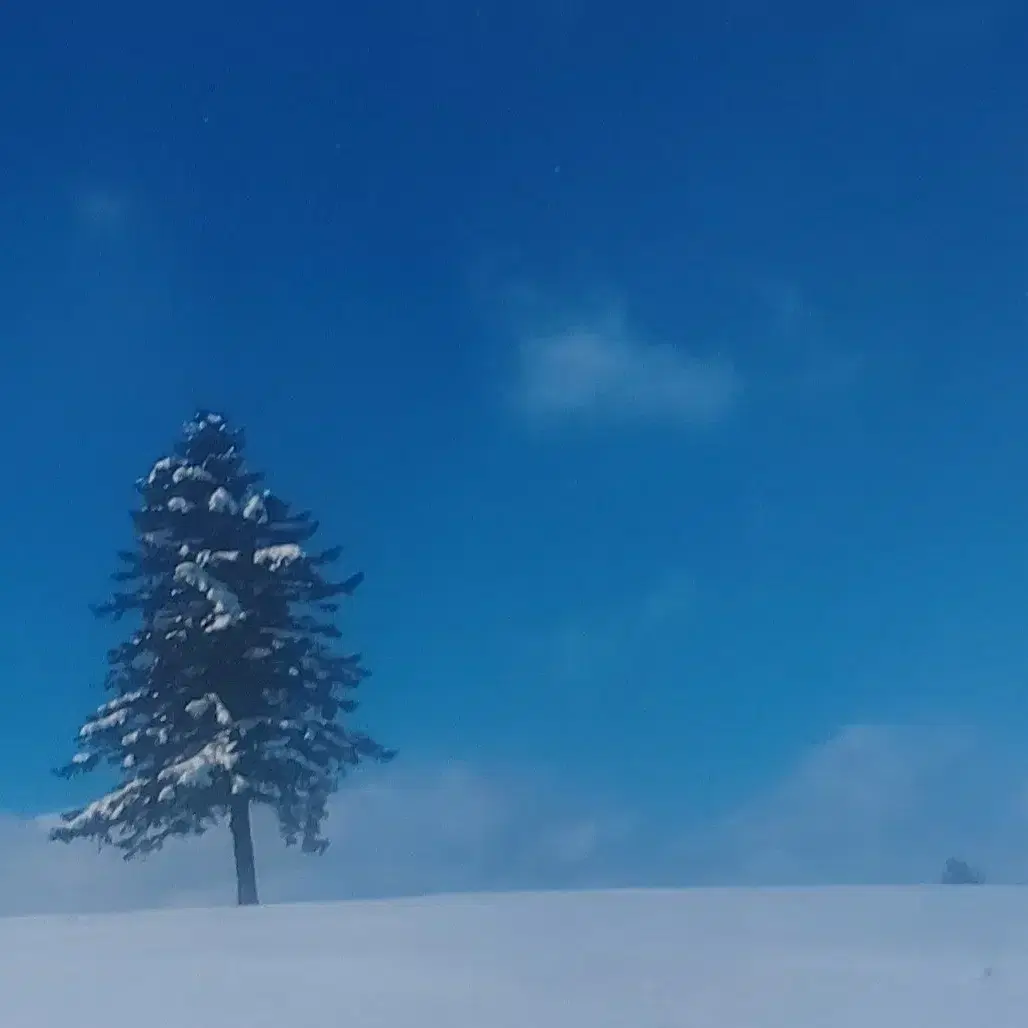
(102, 724)
(161, 467)
(198, 770)
(254, 509)
(125, 700)
(191, 471)
(275, 557)
(227, 610)
(197, 708)
(99, 815)
(221, 501)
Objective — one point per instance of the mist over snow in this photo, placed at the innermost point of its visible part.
(872, 805)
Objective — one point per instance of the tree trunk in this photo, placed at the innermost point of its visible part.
(242, 845)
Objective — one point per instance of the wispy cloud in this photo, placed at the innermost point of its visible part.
(609, 375)
(102, 208)
(611, 638)
(807, 355)
(584, 361)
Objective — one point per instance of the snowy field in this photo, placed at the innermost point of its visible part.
(733, 958)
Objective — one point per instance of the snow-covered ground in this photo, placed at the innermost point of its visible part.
(732, 958)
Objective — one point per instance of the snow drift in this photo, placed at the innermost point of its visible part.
(732, 958)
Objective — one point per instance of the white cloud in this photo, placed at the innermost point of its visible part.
(874, 804)
(394, 832)
(608, 375)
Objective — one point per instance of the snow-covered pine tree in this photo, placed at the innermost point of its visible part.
(228, 693)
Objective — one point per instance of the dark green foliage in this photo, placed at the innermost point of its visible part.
(958, 872)
(228, 691)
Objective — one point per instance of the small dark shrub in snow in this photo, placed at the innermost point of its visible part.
(957, 872)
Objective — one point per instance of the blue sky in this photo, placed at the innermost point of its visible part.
(664, 373)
